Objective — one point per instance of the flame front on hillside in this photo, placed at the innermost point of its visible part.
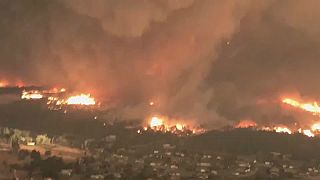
(56, 98)
(156, 122)
(309, 107)
(31, 95)
(82, 99)
(174, 126)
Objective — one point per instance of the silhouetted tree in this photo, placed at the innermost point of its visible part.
(23, 154)
(35, 155)
(51, 167)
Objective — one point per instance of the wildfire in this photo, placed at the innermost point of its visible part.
(155, 122)
(56, 98)
(277, 129)
(282, 130)
(308, 133)
(31, 95)
(165, 124)
(39, 94)
(179, 126)
(309, 107)
(82, 99)
(3, 83)
(246, 124)
(312, 132)
(315, 127)
(7, 83)
(54, 91)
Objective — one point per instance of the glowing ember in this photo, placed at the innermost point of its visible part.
(155, 121)
(82, 99)
(246, 124)
(3, 83)
(31, 95)
(309, 107)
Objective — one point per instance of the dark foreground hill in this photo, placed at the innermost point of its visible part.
(249, 141)
(33, 117)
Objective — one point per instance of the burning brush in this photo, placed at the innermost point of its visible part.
(166, 125)
(56, 98)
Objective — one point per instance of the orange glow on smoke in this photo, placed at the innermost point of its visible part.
(309, 107)
(3, 83)
(82, 99)
(55, 90)
(315, 127)
(20, 84)
(6, 83)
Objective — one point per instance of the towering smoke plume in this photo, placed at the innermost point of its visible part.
(211, 61)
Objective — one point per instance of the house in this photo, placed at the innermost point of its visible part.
(66, 172)
(31, 143)
(97, 176)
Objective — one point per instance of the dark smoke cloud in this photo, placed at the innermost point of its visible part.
(211, 61)
(274, 54)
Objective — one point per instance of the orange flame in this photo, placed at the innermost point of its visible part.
(309, 107)
(82, 99)
(312, 132)
(165, 124)
(308, 133)
(179, 126)
(31, 95)
(155, 121)
(315, 127)
(246, 124)
(279, 129)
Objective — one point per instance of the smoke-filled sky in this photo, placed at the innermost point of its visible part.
(212, 61)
